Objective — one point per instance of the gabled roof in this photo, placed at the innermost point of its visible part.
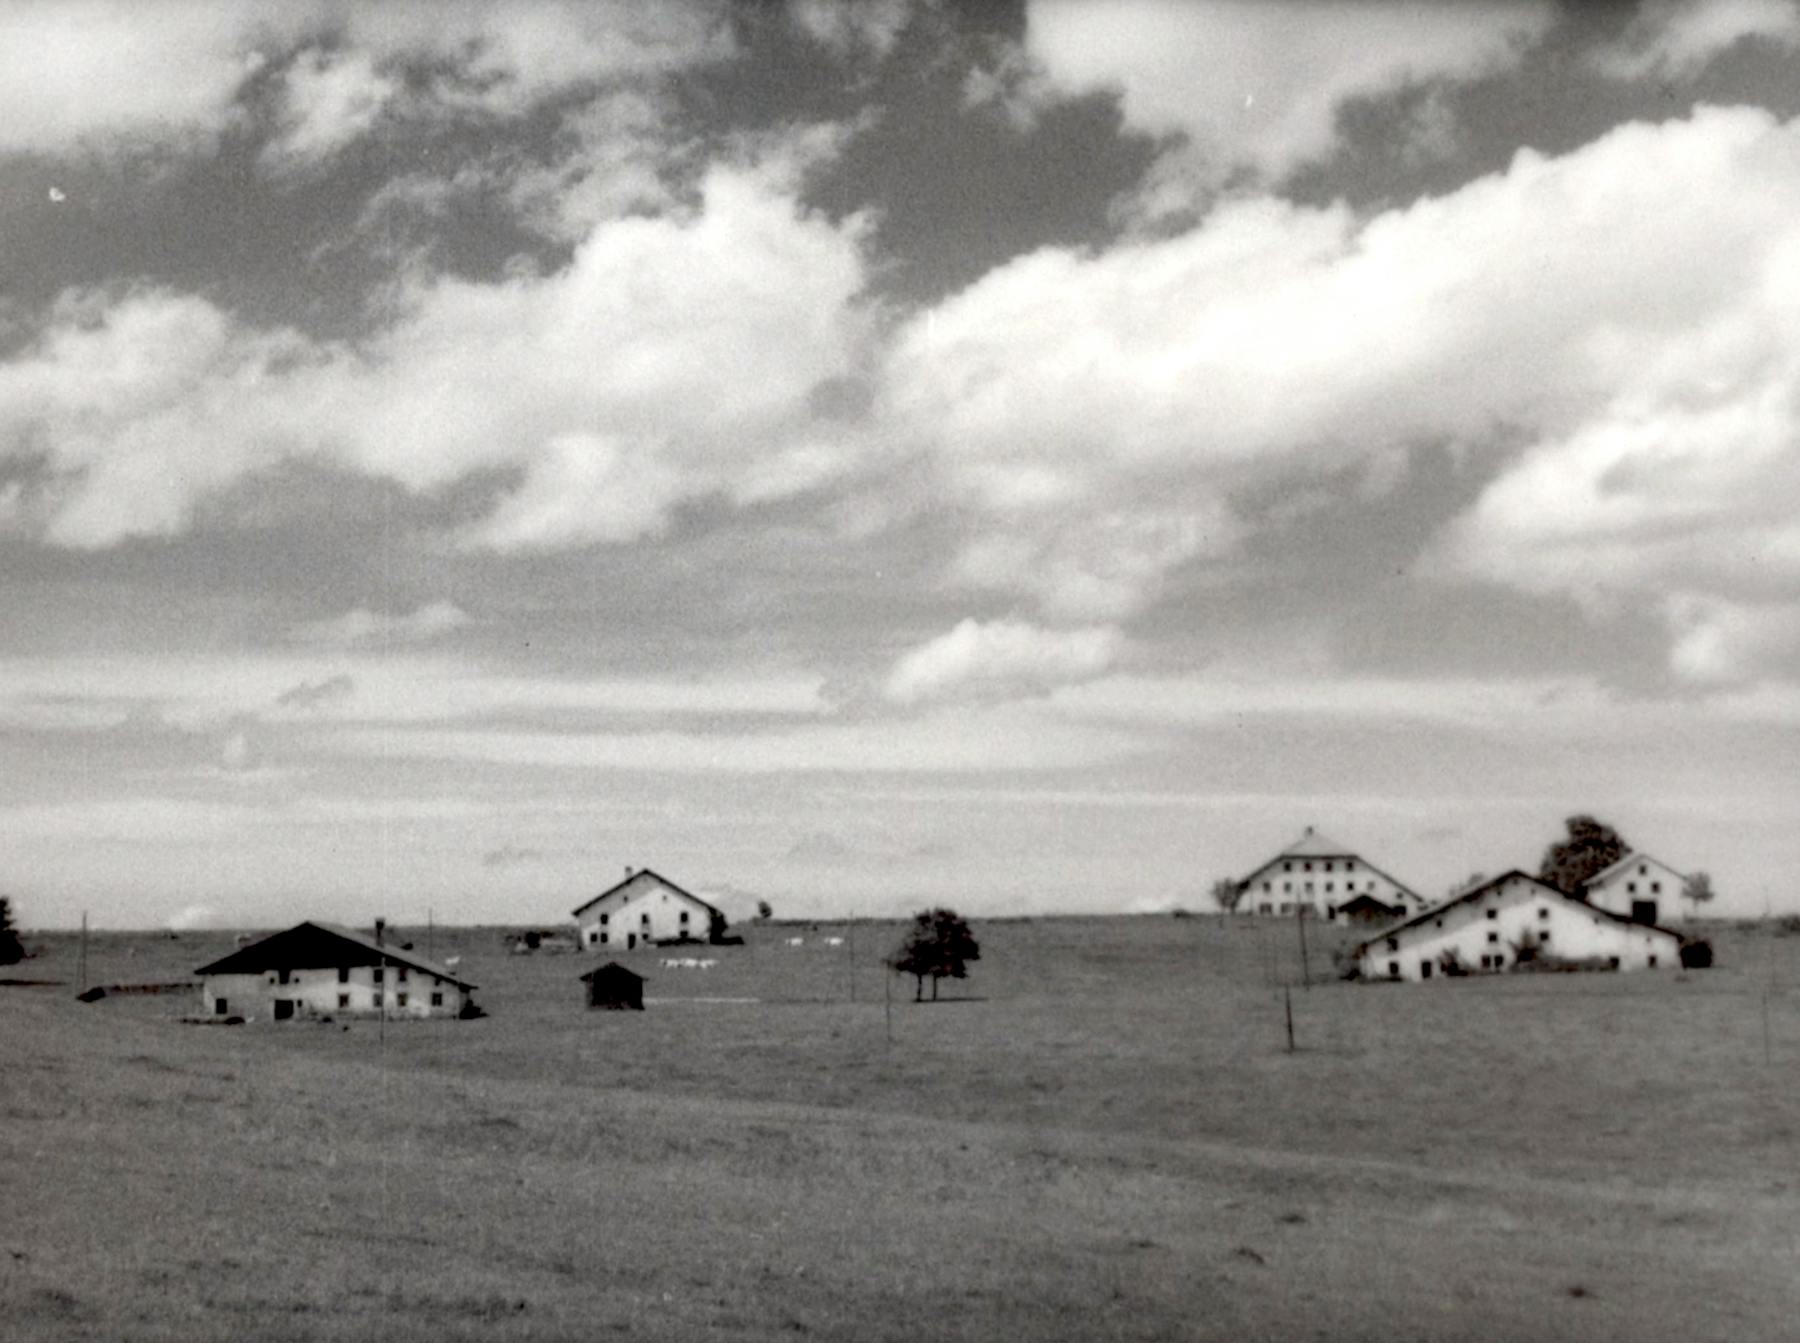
(1312, 844)
(1627, 861)
(1476, 892)
(612, 970)
(639, 875)
(321, 946)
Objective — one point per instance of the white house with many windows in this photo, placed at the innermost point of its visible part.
(320, 969)
(1513, 917)
(643, 910)
(1321, 876)
(1638, 887)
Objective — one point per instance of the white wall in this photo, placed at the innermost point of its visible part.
(1641, 878)
(323, 992)
(1322, 883)
(1496, 924)
(642, 914)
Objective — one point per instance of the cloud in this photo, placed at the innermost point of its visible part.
(674, 358)
(363, 627)
(510, 855)
(1251, 85)
(848, 30)
(192, 64)
(1726, 643)
(1676, 39)
(1001, 658)
(308, 694)
(194, 917)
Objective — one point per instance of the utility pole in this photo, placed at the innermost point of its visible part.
(1287, 998)
(430, 934)
(381, 988)
(887, 989)
(1305, 969)
(81, 959)
(850, 943)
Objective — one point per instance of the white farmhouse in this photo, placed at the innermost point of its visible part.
(1321, 876)
(1638, 887)
(319, 969)
(1487, 928)
(643, 910)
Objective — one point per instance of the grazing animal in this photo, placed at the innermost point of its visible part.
(796, 941)
(451, 962)
(834, 941)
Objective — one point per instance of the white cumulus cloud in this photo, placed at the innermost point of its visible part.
(362, 626)
(1001, 658)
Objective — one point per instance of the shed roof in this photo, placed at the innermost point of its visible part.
(638, 876)
(320, 946)
(611, 970)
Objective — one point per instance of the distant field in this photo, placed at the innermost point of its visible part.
(1101, 1137)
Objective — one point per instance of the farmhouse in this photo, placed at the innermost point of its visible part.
(1318, 875)
(1512, 918)
(1638, 887)
(643, 910)
(317, 969)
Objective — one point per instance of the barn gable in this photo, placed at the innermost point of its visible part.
(644, 909)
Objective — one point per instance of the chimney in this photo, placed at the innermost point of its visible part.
(380, 928)
(628, 869)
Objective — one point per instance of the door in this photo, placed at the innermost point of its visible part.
(284, 1009)
(1643, 911)
(630, 941)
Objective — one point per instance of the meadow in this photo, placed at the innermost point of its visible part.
(1101, 1134)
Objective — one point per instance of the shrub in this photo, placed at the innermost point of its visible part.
(1696, 954)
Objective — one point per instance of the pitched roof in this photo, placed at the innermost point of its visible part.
(612, 970)
(315, 946)
(1476, 892)
(1312, 844)
(1630, 857)
(639, 875)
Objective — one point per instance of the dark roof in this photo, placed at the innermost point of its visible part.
(1365, 899)
(639, 875)
(611, 970)
(320, 946)
(1476, 892)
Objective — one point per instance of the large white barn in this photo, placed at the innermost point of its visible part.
(319, 969)
(1637, 887)
(643, 910)
(1320, 876)
(1487, 928)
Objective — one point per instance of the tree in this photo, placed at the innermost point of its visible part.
(12, 951)
(764, 911)
(1697, 890)
(1591, 847)
(1228, 894)
(939, 945)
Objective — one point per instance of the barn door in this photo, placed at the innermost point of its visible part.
(284, 1009)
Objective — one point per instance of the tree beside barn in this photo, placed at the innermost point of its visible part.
(1591, 847)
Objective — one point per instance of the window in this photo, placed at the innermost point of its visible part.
(220, 1006)
(1500, 961)
(375, 975)
(1656, 888)
(1265, 908)
(1643, 871)
(602, 939)
(1287, 887)
(1267, 886)
(1631, 887)
(1613, 961)
(684, 916)
(1544, 936)
(1349, 864)
(1393, 944)
(604, 918)
(644, 918)
(1393, 969)
(1493, 937)
(1424, 969)
(343, 1000)
(402, 975)
(593, 937)
(1543, 911)
(1328, 888)
(1306, 867)
(1487, 962)
(400, 1000)
(343, 975)
(1653, 960)
(437, 1000)
(1287, 906)
(1328, 867)
(1287, 867)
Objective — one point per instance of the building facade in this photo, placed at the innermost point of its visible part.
(1637, 887)
(320, 969)
(1494, 926)
(643, 910)
(1318, 876)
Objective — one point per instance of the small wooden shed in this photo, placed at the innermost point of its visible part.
(612, 985)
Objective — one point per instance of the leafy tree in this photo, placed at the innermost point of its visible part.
(12, 951)
(1227, 894)
(1591, 847)
(764, 911)
(1697, 890)
(939, 945)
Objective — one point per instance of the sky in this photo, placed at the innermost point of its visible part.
(1034, 457)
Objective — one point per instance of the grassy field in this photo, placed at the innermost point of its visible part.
(1102, 1136)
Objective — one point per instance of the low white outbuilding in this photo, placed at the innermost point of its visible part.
(1638, 887)
(1496, 924)
(320, 969)
(643, 910)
